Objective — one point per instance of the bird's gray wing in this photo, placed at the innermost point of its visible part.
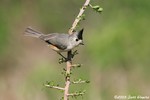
(56, 39)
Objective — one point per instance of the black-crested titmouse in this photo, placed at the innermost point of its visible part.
(59, 42)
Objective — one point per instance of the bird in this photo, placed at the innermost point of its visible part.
(59, 42)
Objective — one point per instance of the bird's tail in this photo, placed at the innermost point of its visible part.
(33, 33)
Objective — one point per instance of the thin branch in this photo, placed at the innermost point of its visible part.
(80, 82)
(55, 87)
(69, 55)
(77, 94)
(76, 82)
(68, 70)
(78, 18)
(76, 65)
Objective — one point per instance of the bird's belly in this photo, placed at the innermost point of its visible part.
(57, 49)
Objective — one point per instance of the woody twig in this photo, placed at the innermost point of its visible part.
(69, 55)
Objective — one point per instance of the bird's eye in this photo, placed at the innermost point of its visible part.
(77, 39)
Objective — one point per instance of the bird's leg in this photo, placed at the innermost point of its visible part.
(74, 53)
(63, 59)
(61, 55)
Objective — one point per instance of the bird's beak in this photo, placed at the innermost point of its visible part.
(81, 43)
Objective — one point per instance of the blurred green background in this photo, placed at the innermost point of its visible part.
(115, 58)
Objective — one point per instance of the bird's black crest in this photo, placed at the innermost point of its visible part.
(80, 34)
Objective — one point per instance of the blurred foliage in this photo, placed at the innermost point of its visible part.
(115, 57)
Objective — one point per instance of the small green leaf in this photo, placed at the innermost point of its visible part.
(96, 7)
(87, 81)
(100, 10)
(82, 17)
